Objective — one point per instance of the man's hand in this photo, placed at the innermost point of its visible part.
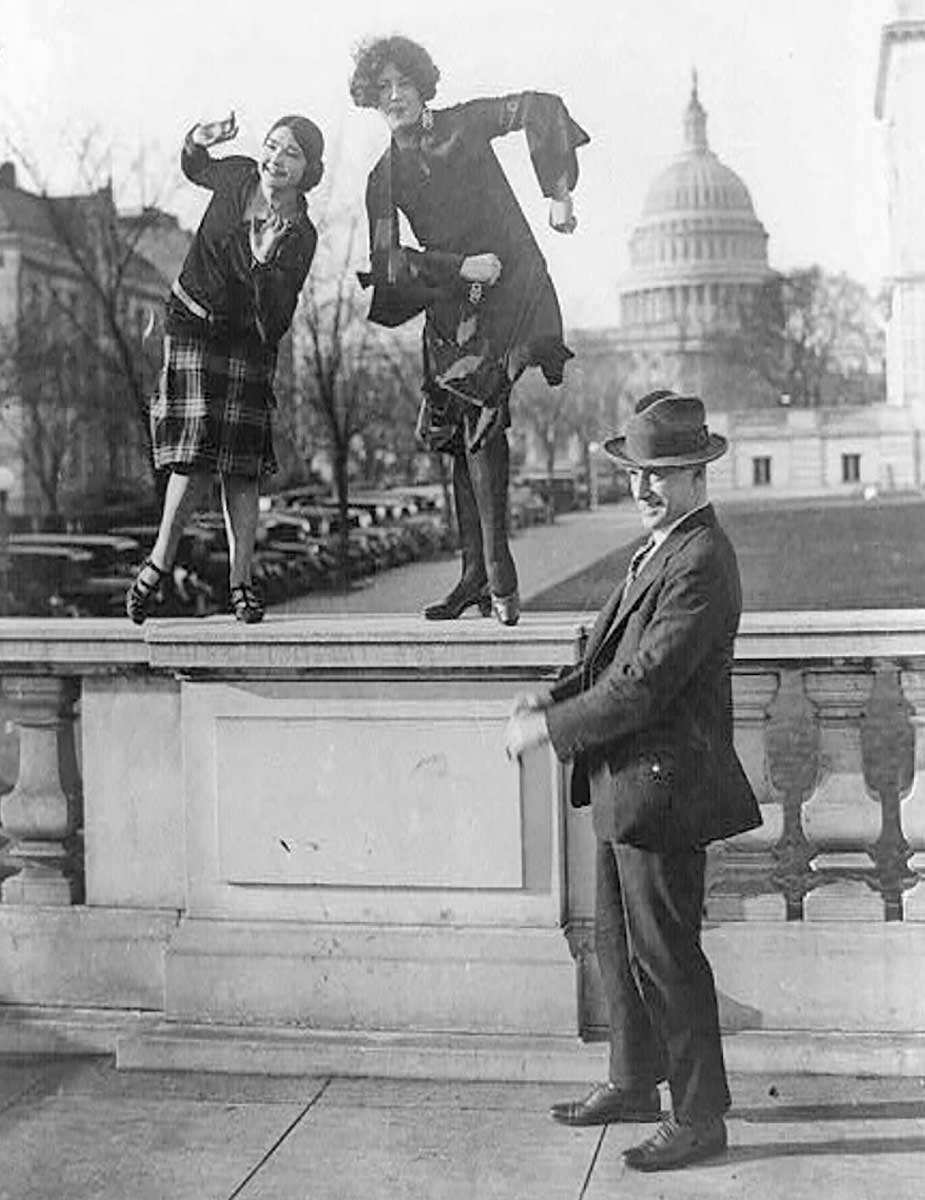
(266, 234)
(481, 268)
(210, 133)
(525, 729)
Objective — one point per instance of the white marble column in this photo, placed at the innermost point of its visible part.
(41, 815)
(742, 868)
(841, 819)
(912, 805)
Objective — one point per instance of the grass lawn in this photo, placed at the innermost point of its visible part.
(815, 554)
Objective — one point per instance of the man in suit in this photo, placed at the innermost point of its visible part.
(646, 719)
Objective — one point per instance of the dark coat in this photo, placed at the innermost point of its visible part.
(248, 302)
(458, 202)
(647, 714)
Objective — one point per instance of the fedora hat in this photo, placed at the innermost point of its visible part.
(667, 430)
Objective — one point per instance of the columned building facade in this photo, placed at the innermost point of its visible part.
(697, 257)
(900, 106)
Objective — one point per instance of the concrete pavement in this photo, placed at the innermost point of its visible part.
(545, 554)
(76, 1129)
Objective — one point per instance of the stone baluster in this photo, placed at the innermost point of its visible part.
(841, 820)
(912, 804)
(41, 815)
(741, 884)
(792, 739)
(579, 934)
(888, 745)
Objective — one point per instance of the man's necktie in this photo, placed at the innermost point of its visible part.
(639, 557)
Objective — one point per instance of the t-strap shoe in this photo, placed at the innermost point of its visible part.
(246, 604)
(140, 597)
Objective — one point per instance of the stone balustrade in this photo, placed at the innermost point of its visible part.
(312, 825)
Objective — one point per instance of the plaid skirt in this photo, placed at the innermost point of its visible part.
(212, 408)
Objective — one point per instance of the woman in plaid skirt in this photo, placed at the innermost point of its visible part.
(229, 307)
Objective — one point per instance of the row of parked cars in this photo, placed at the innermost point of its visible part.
(298, 543)
(298, 546)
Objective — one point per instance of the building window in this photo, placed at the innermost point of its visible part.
(851, 468)
(761, 471)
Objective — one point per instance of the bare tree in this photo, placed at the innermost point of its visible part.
(816, 338)
(589, 404)
(545, 410)
(42, 402)
(386, 448)
(83, 347)
(351, 384)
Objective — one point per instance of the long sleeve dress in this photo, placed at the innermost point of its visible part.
(225, 316)
(458, 202)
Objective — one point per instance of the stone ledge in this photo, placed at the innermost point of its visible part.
(26, 1029)
(91, 645)
(191, 1047)
(87, 957)
(397, 645)
(471, 981)
(281, 1051)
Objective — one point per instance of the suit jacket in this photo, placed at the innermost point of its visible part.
(647, 714)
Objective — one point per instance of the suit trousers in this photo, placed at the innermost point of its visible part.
(659, 988)
(480, 491)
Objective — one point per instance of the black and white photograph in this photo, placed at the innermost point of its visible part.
(462, 600)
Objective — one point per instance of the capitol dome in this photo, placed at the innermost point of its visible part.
(698, 181)
(698, 252)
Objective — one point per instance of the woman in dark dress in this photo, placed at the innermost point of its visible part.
(491, 309)
(229, 307)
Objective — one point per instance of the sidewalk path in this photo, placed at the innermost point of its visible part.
(76, 1129)
(545, 554)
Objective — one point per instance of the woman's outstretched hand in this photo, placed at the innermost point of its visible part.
(210, 133)
(562, 214)
(481, 268)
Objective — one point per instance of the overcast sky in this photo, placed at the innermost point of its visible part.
(788, 86)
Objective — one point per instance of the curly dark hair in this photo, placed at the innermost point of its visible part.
(372, 56)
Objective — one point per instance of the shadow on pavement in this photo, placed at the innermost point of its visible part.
(847, 1147)
(889, 1110)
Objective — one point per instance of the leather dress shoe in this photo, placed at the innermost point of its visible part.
(463, 596)
(506, 608)
(675, 1144)
(605, 1105)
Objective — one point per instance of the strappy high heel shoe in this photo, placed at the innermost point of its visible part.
(463, 596)
(506, 608)
(246, 604)
(140, 597)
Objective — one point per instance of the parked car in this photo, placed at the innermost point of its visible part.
(100, 590)
(42, 576)
(527, 506)
(564, 492)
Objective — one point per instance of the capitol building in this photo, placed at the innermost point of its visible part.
(698, 255)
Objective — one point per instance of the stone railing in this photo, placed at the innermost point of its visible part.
(827, 714)
(312, 824)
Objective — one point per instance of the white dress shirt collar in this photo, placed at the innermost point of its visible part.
(658, 535)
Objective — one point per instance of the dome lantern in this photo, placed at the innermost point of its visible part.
(695, 122)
